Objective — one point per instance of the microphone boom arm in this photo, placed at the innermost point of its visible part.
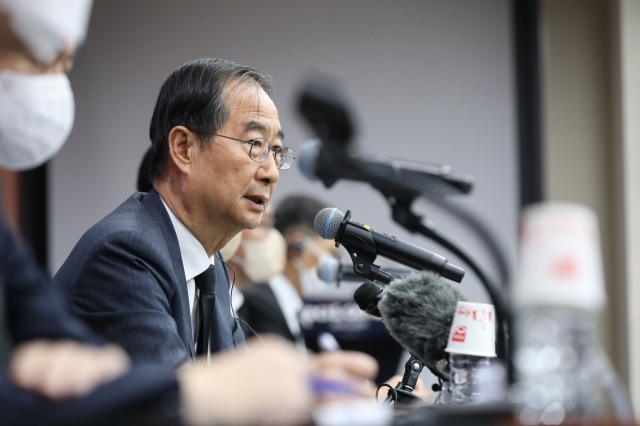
(401, 195)
(324, 108)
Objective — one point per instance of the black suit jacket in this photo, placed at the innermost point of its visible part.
(31, 309)
(262, 312)
(125, 279)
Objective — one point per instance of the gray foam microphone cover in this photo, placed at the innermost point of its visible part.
(418, 310)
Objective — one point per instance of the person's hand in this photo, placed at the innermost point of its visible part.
(420, 390)
(267, 384)
(64, 369)
(354, 369)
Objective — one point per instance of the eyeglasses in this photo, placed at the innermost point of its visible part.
(260, 149)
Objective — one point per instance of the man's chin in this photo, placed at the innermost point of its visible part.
(252, 220)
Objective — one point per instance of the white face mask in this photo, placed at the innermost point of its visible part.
(231, 247)
(263, 258)
(310, 283)
(47, 27)
(36, 117)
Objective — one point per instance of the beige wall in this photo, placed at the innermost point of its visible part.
(629, 126)
(577, 118)
(434, 85)
(590, 51)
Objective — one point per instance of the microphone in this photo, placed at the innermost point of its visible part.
(367, 243)
(317, 162)
(331, 270)
(323, 105)
(418, 311)
(367, 296)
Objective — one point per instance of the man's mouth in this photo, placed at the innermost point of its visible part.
(258, 199)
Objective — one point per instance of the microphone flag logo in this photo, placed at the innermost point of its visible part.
(473, 330)
(460, 334)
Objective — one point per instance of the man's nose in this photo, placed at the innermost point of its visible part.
(268, 171)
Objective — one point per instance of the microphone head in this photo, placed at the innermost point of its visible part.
(322, 103)
(367, 297)
(308, 157)
(328, 269)
(327, 222)
(418, 310)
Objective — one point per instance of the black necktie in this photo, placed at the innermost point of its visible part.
(204, 310)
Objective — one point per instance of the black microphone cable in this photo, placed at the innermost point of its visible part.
(233, 311)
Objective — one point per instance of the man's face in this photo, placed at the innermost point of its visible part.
(229, 186)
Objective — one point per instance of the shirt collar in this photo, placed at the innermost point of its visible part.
(194, 257)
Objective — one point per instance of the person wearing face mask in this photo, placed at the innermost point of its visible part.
(259, 254)
(286, 302)
(37, 102)
(305, 248)
(272, 304)
(53, 369)
(44, 350)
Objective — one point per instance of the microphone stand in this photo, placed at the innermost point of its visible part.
(324, 108)
(405, 217)
(404, 389)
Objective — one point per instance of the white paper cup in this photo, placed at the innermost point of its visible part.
(473, 330)
(560, 261)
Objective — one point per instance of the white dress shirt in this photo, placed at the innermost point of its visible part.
(194, 257)
(290, 304)
(237, 299)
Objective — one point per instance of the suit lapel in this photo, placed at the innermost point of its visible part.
(159, 213)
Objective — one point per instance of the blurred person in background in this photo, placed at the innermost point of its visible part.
(259, 256)
(273, 305)
(41, 344)
(144, 181)
(55, 355)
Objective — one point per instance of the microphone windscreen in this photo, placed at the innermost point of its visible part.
(418, 310)
(327, 222)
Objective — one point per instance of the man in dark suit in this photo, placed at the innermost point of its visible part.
(133, 277)
(44, 351)
(53, 369)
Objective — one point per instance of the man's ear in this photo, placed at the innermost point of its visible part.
(182, 148)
